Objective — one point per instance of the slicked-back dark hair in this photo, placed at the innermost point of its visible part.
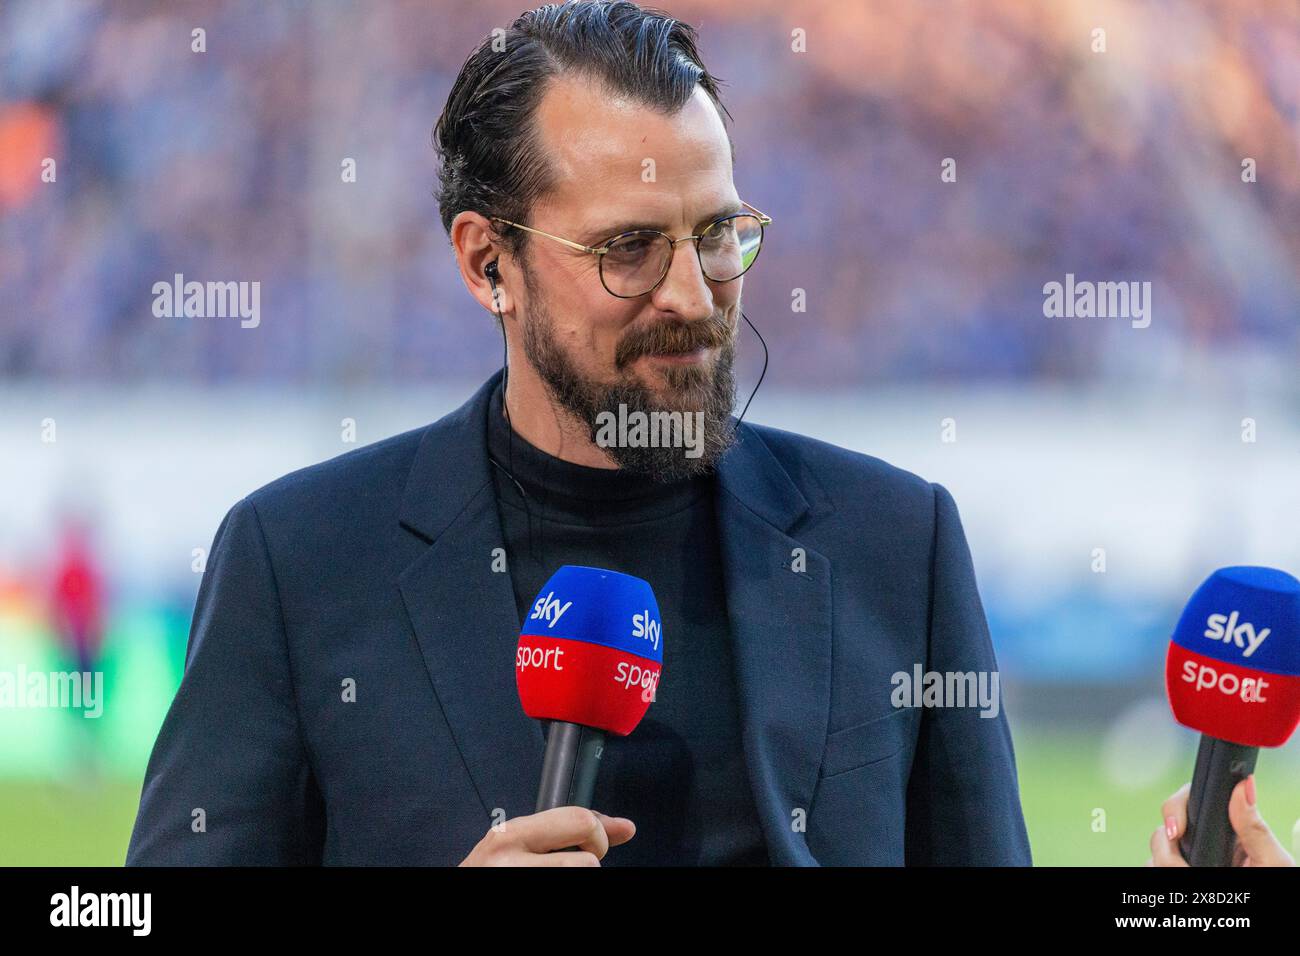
(490, 160)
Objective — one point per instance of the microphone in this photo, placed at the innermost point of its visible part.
(1233, 673)
(588, 660)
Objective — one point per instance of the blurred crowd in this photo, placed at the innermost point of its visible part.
(1115, 165)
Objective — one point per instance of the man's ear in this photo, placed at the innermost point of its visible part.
(476, 246)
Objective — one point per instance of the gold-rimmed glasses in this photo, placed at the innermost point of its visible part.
(633, 263)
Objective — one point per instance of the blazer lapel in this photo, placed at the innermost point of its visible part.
(463, 613)
(781, 637)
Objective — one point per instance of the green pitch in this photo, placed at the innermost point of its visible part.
(69, 786)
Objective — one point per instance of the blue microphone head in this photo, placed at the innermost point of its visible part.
(1233, 669)
(1245, 615)
(591, 650)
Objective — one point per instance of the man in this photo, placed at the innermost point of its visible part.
(349, 694)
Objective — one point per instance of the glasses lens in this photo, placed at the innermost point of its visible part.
(730, 246)
(635, 262)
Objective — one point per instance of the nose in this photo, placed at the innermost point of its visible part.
(684, 290)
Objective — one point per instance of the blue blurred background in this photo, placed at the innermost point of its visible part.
(1102, 470)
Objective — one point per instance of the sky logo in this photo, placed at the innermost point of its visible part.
(549, 609)
(645, 626)
(1224, 627)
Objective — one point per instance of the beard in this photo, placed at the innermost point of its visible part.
(690, 389)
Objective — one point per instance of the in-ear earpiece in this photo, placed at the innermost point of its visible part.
(490, 270)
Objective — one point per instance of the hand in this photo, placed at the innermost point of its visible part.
(1255, 844)
(528, 840)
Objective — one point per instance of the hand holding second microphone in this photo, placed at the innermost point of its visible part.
(1255, 843)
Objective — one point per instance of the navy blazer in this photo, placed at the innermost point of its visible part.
(349, 690)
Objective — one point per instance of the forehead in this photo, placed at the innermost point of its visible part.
(598, 144)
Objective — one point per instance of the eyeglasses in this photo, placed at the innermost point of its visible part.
(633, 263)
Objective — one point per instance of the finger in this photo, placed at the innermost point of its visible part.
(617, 829)
(1164, 851)
(1253, 833)
(561, 828)
(562, 858)
(1176, 807)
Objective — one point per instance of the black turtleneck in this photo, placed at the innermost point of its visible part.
(680, 776)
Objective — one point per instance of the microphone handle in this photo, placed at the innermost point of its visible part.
(569, 766)
(1220, 765)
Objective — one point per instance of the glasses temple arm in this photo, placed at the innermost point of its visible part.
(568, 242)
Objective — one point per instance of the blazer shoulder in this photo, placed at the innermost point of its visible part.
(840, 476)
(372, 473)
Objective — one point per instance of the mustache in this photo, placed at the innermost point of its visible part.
(673, 337)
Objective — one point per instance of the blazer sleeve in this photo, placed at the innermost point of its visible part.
(963, 799)
(229, 781)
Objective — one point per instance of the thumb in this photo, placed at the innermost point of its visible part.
(618, 829)
(1253, 834)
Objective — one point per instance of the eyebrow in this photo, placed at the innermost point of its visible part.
(600, 234)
